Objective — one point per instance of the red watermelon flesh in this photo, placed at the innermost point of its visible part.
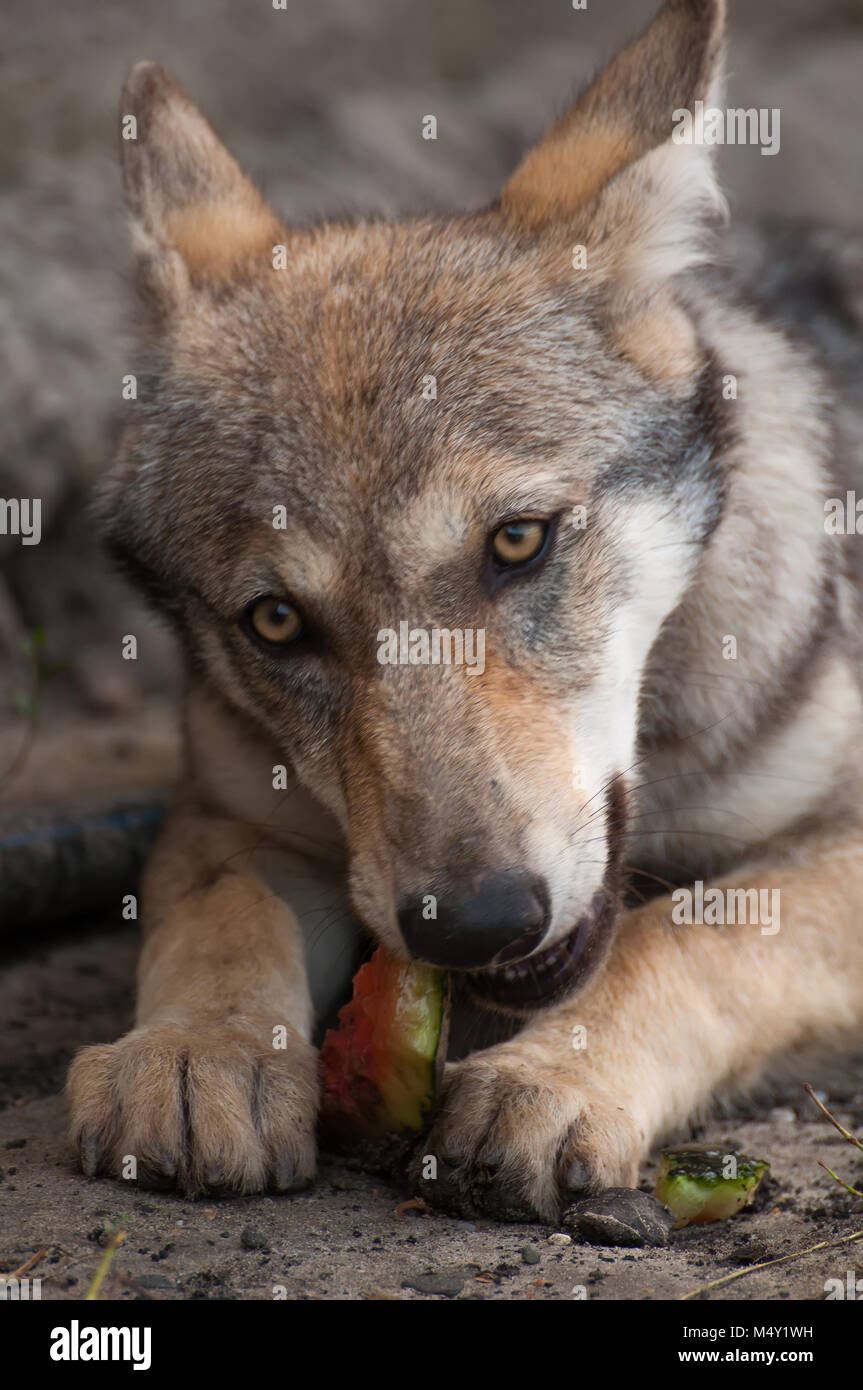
(380, 1066)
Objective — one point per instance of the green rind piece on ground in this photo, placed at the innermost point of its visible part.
(700, 1185)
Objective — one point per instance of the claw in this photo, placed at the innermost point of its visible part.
(91, 1154)
(213, 1177)
(577, 1177)
(505, 1204)
(287, 1181)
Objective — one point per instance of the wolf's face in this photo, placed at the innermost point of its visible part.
(419, 499)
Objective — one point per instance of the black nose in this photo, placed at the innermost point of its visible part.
(494, 919)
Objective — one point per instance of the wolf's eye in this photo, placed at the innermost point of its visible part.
(519, 541)
(274, 620)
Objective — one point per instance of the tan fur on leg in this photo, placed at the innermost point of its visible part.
(198, 1094)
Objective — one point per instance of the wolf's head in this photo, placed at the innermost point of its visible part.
(419, 497)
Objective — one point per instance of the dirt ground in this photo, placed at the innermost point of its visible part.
(345, 1238)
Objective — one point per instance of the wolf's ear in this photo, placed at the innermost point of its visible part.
(196, 218)
(610, 171)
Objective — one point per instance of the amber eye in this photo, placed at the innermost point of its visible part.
(519, 541)
(274, 620)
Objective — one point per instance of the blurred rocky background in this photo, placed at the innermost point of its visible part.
(322, 102)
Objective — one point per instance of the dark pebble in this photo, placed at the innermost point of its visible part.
(620, 1216)
(445, 1283)
(253, 1239)
(749, 1253)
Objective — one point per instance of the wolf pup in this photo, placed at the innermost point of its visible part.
(576, 424)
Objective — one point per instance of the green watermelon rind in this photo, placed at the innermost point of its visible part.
(691, 1184)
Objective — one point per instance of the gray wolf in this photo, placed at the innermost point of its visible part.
(599, 428)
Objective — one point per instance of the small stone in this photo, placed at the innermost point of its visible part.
(154, 1281)
(782, 1115)
(253, 1239)
(620, 1216)
(749, 1252)
(530, 1254)
(560, 1238)
(449, 1283)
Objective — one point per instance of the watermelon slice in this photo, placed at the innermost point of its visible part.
(382, 1065)
(699, 1184)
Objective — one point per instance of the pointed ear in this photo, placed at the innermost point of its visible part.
(610, 171)
(196, 219)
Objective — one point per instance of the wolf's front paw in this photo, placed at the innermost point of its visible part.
(513, 1138)
(197, 1108)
